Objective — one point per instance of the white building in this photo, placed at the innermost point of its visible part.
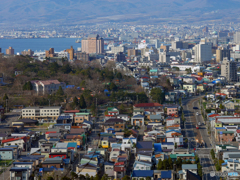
(48, 113)
(48, 86)
(164, 57)
(203, 52)
(194, 68)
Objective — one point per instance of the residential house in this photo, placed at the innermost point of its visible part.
(6, 154)
(80, 117)
(115, 123)
(156, 118)
(137, 120)
(109, 169)
(225, 136)
(19, 173)
(144, 146)
(87, 168)
(137, 111)
(163, 175)
(191, 88)
(171, 110)
(231, 165)
(28, 165)
(187, 167)
(64, 119)
(22, 142)
(119, 170)
(142, 165)
(46, 149)
(123, 117)
(210, 106)
(142, 174)
(56, 162)
(185, 157)
(112, 111)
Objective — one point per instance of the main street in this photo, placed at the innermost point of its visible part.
(197, 136)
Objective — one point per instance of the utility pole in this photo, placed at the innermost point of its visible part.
(6, 105)
(49, 102)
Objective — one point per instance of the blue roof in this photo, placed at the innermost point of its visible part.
(168, 143)
(22, 162)
(142, 173)
(166, 174)
(105, 90)
(70, 86)
(220, 128)
(72, 144)
(64, 117)
(110, 129)
(66, 161)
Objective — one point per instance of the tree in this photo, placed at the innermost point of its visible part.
(157, 95)
(148, 178)
(75, 101)
(199, 169)
(5, 97)
(170, 163)
(142, 97)
(160, 164)
(74, 175)
(182, 116)
(82, 102)
(119, 75)
(83, 83)
(113, 87)
(122, 109)
(179, 163)
(175, 145)
(126, 177)
(60, 91)
(27, 86)
(104, 177)
(165, 164)
(96, 177)
(221, 106)
(212, 154)
(50, 178)
(196, 159)
(66, 69)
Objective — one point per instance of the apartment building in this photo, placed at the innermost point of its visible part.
(229, 70)
(93, 44)
(48, 86)
(42, 114)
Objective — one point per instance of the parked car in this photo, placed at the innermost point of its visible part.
(196, 113)
(199, 123)
(195, 107)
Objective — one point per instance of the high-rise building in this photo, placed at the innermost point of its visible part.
(93, 44)
(205, 29)
(132, 52)
(49, 53)
(222, 53)
(10, 51)
(120, 57)
(27, 53)
(229, 70)
(236, 37)
(177, 45)
(71, 53)
(164, 57)
(203, 52)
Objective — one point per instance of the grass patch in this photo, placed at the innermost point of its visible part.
(5, 163)
(204, 105)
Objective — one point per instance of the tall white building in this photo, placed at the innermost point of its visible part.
(229, 70)
(164, 57)
(236, 37)
(203, 52)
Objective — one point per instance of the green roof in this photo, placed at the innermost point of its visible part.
(174, 156)
(153, 70)
(82, 114)
(226, 132)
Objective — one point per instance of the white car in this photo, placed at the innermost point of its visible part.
(197, 113)
(199, 123)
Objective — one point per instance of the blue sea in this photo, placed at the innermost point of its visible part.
(19, 45)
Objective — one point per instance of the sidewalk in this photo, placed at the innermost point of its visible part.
(6, 174)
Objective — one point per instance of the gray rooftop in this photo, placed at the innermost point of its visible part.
(189, 166)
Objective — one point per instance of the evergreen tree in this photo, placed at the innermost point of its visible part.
(165, 164)
(5, 97)
(113, 87)
(126, 177)
(27, 86)
(157, 95)
(119, 75)
(82, 102)
(179, 163)
(96, 177)
(160, 164)
(104, 177)
(142, 97)
(60, 91)
(75, 101)
(170, 163)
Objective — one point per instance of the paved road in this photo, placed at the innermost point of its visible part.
(198, 135)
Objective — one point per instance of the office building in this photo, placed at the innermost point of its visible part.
(27, 53)
(132, 52)
(120, 57)
(205, 29)
(203, 52)
(177, 45)
(42, 114)
(229, 70)
(164, 57)
(117, 49)
(10, 51)
(236, 37)
(71, 53)
(49, 53)
(93, 44)
(222, 53)
(82, 56)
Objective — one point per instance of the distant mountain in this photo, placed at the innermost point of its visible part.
(91, 11)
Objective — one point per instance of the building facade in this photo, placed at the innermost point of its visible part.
(42, 114)
(10, 51)
(229, 70)
(203, 52)
(93, 44)
(48, 86)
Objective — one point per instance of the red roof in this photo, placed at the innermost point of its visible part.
(147, 105)
(49, 132)
(238, 131)
(109, 115)
(13, 139)
(220, 94)
(119, 169)
(214, 115)
(70, 147)
(72, 111)
(119, 163)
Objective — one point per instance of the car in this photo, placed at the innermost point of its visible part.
(196, 113)
(195, 107)
(199, 123)
(197, 127)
